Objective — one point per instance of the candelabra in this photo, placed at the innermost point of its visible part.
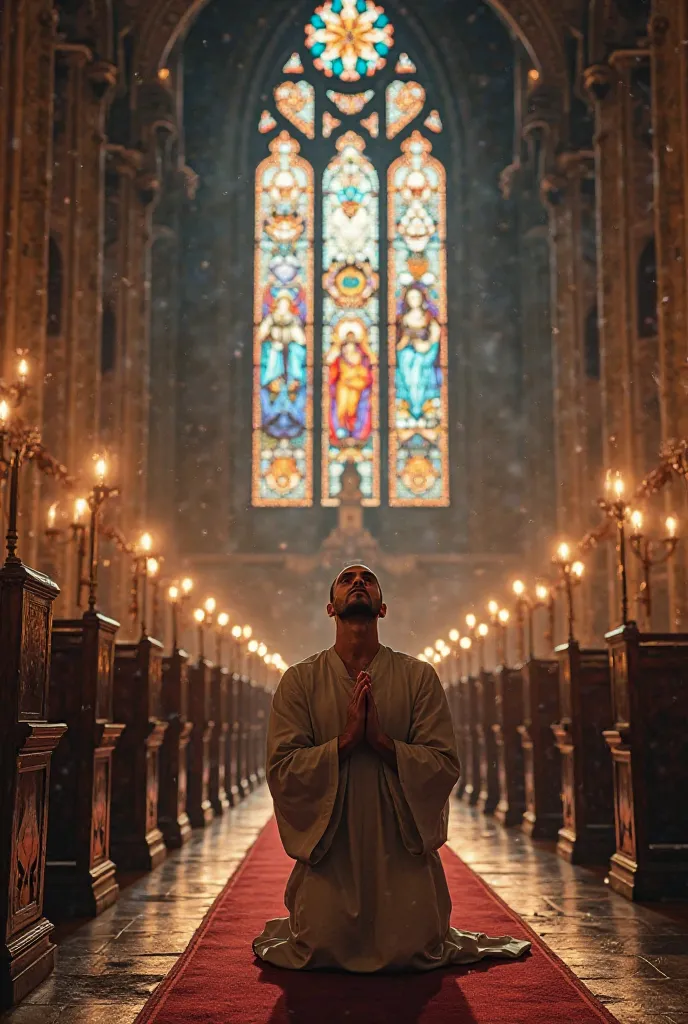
(199, 618)
(100, 493)
(651, 554)
(178, 595)
(616, 507)
(76, 535)
(524, 612)
(544, 598)
(466, 645)
(220, 627)
(499, 618)
(571, 576)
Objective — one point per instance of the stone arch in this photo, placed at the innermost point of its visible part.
(166, 22)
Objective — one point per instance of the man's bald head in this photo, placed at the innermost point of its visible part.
(356, 593)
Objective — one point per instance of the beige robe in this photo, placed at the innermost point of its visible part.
(368, 891)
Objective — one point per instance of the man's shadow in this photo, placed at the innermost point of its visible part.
(333, 997)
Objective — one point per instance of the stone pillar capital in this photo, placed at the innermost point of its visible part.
(597, 81)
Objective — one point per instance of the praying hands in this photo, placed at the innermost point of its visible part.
(363, 723)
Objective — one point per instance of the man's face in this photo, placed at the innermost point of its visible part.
(357, 595)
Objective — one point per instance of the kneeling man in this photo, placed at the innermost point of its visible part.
(361, 761)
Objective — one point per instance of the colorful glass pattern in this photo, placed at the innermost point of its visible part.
(293, 66)
(372, 124)
(434, 122)
(405, 101)
(405, 65)
(349, 39)
(296, 102)
(330, 122)
(418, 451)
(351, 103)
(351, 319)
(283, 328)
(267, 123)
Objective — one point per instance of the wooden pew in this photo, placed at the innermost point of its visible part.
(198, 804)
(587, 833)
(512, 786)
(249, 779)
(232, 774)
(541, 757)
(486, 712)
(220, 684)
(80, 876)
(453, 699)
(648, 744)
(27, 741)
(172, 815)
(136, 840)
(260, 722)
(470, 740)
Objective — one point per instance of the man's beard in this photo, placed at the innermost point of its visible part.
(359, 608)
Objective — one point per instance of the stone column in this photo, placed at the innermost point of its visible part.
(73, 358)
(27, 29)
(124, 418)
(668, 31)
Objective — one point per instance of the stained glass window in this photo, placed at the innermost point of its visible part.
(350, 102)
(296, 102)
(417, 330)
(351, 317)
(405, 101)
(283, 338)
(349, 39)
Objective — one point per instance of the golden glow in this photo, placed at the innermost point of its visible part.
(23, 369)
(466, 643)
(503, 616)
(210, 605)
(619, 485)
(173, 594)
(223, 620)
(542, 592)
(564, 552)
(637, 520)
(187, 586)
(428, 652)
(236, 632)
(493, 607)
(439, 645)
(163, 74)
(437, 658)
(267, 659)
(80, 508)
(199, 616)
(101, 470)
(421, 657)
(253, 646)
(519, 588)
(483, 629)
(146, 542)
(152, 566)
(52, 515)
(533, 75)
(454, 635)
(4, 412)
(578, 569)
(248, 632)
(471, 621)
(262, 651)
(671, 526)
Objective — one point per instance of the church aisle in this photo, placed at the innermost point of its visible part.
(633, 958)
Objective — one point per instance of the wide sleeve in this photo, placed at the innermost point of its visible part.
(305, 780)
(427, 769)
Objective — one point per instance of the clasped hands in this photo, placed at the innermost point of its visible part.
(363, 723)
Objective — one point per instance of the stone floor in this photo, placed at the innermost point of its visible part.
(634, 959)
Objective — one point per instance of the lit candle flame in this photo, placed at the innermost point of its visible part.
(483, 629)
(247, 632)
(187, 586)
(439, 645)
(210, 605)
(454, 635)
(146, 542)
(542, 592)
(199, 616)
(466, 643)
(253, 646)
(80, 507)
(493, 607)
(223, 620)
(471, 621)
(236, 632)
(519, 588)
(23, 370)
(578, 569)
(52, 515)
(262, 650)
(564, 552)
(4, 412)
(637, 521)
(619, 485)
(672, 526)
(152, 566)
(503, 616)
(428, 652)
(173, 594)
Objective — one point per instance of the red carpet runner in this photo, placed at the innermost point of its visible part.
(218, 980)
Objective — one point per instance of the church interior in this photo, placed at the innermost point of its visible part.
(300, 284)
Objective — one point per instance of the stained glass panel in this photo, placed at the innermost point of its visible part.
(349, 39)
(351, 103)
(372, 124)
(266, 123)
(293, 66)
(405, 100)
(405, 65)
(351, 317)
(296, 102)
(434, 122)
(283, 332)
(418, 456)
(330, 123)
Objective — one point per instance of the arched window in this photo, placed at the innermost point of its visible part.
(349, 136)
